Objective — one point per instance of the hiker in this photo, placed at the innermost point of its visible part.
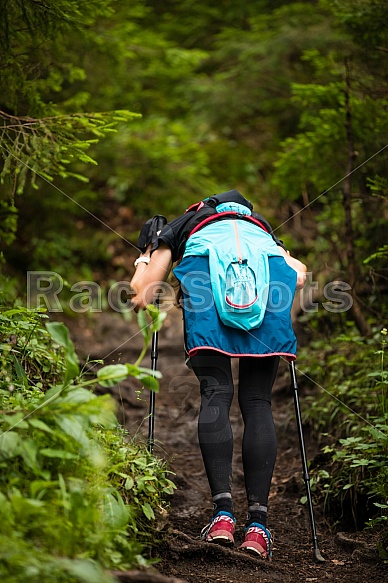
(237, 283)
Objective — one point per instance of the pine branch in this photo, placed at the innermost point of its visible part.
(47, 146)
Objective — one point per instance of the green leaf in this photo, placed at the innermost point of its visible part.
(153, 311)
(115, 512)
(76, 395)
(72, 367)
(16, 420)
(27, 508)
(362, 462)
(39, 487)
(140, 371)
(150, 382)
(52, 393)
(143, 324)
(148, 511)
(169, 487)
(58, 453)
(20, 372)
(73, 426)
(10, 444)
(29, 452)
(60, 334)
(39, 424)
(129, 483)
(86, 571)
(110, 375)
(157, 317)
(146, 375)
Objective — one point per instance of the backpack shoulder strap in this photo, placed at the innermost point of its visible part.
(205, 220)
(205, 211)
(195, 206)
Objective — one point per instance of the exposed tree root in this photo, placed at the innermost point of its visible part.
(147, 576)
(187, 546)
(362, 551)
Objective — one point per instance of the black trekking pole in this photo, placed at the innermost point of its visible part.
(316, 552)
(151, 419)
(149, 235)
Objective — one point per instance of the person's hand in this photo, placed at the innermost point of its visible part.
(137, 304)
(147, 252)
(149, 276)
(301, 278)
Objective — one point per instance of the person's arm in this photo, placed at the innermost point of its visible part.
(297, 265)
(148, 277)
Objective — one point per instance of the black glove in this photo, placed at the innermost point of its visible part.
(150, 232)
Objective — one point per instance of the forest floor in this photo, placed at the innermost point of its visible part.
(183, 557)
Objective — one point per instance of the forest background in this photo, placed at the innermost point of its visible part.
(114, 111)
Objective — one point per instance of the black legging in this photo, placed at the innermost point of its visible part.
(256, 378)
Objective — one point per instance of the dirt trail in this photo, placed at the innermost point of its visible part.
(349, 557)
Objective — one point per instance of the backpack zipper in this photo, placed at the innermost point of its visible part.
(239, 254)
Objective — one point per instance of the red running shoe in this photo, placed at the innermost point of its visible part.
(258, 541)
(220, 530)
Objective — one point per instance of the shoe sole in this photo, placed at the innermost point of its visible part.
(254, 551)
(222, 539)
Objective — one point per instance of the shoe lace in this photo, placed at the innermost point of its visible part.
(217, 518)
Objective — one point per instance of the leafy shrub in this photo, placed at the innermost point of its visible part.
(351, 413)
(77, 495)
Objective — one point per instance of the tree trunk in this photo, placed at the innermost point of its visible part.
(357, 314)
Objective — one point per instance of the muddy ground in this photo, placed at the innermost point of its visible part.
(350, 556)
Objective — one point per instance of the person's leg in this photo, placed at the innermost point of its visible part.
(213, 371)
(256, 378)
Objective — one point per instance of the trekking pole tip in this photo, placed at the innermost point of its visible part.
(318, 557)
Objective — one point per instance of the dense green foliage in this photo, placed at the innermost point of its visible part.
(227, 97)
(284, 100)
(350, 416)
(78, 494)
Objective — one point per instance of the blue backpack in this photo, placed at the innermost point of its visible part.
(238, 251)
